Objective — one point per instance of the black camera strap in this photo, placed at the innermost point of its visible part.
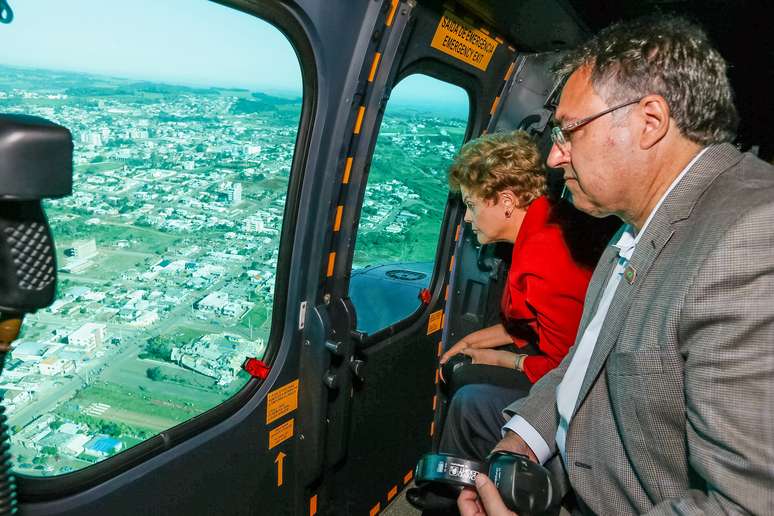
(449, 470)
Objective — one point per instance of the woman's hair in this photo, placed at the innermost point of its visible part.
(496, 162)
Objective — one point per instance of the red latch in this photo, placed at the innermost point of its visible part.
(256, 368)
(424, 296)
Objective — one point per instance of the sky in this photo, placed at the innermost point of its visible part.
(427, 93)
(176, 41)
(190, 42)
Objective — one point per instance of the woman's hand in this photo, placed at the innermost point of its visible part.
(455, 350)
(484, 501)
(485, 338)
(495, 357)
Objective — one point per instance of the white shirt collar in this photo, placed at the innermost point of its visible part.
(628, 240)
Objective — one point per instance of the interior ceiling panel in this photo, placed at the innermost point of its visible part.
(535, 25)
(530, 25)
(739, 28)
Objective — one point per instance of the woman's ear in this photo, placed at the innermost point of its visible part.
(508, 200)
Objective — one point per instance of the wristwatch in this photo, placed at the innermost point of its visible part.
(520, 362)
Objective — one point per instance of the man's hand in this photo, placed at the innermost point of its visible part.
(484, 501)
(469, 503)
(495, 357)
(513, 442)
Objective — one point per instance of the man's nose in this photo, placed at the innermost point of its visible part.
(468, 216)
(556, 157)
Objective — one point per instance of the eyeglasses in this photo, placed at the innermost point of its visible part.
(560, 135)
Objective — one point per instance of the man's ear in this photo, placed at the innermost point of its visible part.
(655, 111)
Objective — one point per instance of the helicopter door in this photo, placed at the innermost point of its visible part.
(396, 227)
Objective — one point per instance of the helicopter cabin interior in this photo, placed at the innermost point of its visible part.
(261, 262)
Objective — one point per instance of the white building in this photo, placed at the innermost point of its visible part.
(88, 337)
(138, 134)
(252, 150)
(213, 302)
(55, 365)
(29, 351)
(81, 249)
(235, 194)
(253, 224)
(50, 366)
(218, 303)
(145, 318)
(13, 399)
(91, 138)
(74, 445)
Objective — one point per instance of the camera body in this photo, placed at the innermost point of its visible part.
(525, 487)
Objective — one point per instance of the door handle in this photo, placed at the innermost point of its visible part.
(336, 348)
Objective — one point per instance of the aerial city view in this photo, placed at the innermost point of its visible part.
(167, 251)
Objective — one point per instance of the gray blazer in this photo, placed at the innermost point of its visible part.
(676, 412)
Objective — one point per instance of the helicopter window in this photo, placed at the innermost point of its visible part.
(167, 249)
(423, 127)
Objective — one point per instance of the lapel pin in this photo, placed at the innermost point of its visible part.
(630, 274)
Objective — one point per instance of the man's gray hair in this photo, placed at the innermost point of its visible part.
(666, 56)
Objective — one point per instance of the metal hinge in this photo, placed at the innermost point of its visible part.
(302, 315)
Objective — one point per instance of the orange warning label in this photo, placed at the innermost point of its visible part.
(281, 434)
(456, 38)
(434, 323)
(282, 401)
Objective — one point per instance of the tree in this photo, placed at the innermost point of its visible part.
(154, 373)
(159, 347)
(111, 428)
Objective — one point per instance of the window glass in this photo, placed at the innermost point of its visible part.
(422, 130)
(167, 250)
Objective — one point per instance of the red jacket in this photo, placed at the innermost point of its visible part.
(545, 289)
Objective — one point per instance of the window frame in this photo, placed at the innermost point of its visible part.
(448, 76)
(454, 76)
(40, 489)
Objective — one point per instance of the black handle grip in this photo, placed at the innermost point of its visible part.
(27, 258)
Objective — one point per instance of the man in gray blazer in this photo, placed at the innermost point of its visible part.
(665, 404)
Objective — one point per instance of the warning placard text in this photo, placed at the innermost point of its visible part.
(281, 401)
(459, 40)
(281, 434)
(435, 322)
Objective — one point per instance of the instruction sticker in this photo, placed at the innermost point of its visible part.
(456, 38)
(435, 322)
(281, 434)
(281, 401)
